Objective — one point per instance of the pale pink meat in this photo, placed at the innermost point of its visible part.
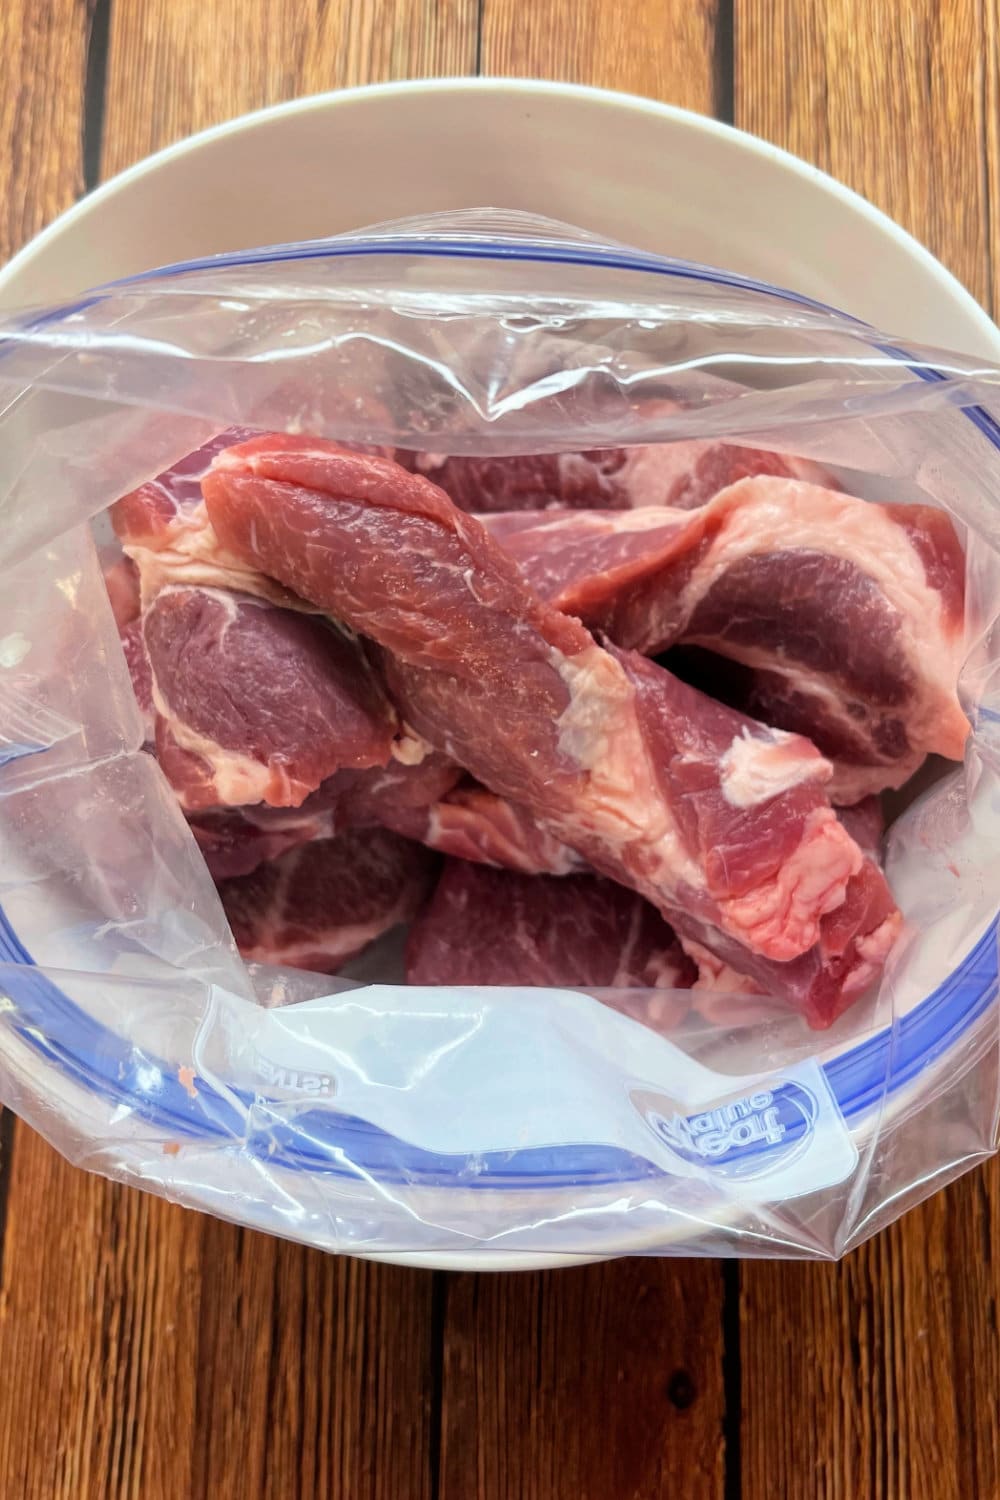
(845, 617)
(323, 903)
(471, 823)
(121, 579)
(720, 822)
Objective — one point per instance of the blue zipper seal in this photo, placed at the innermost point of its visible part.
(341, 1145)
(327, 1141)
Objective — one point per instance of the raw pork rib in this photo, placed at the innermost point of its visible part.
(272, 701)
(684, 474)
(254, 702)
(718, 821)
(485, 926)
(320, 905)
(847, 616)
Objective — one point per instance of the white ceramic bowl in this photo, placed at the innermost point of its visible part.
(654, 176)
(645, 173)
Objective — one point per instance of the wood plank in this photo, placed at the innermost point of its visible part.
(600, 1383)
(44, 51)
(163, 1354)
(638, 46)
(603, 1383)
(880, 1376)
(179, 67)
(891, 99)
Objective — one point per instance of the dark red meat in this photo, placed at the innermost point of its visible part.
(137, 662)
(234, 841)
(321, 904)
(486, 926)
(360, 799)
(256, 702)
(271, 700)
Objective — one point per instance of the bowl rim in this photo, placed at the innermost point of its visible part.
(618, 100)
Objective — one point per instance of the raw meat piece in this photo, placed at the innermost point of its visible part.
(191, 776)
(416, 801)
(165, 532)
(271, 701)
(321, 904)
(684, 474)
(688, 474)
(121, 579)
(846, 616)
(858, 920)
(471, 823)
(589, 563)
(855, 941)
(720, 822)
(255, 702)
(235, 841)
(486, 926)
(365, 798)
(137, 662)
(865, 822)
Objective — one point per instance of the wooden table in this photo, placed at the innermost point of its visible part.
(148, 1352)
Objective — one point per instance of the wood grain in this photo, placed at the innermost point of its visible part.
(665, 51)
(159, 1354)
(43, 54)
(880, 1377)
(898, 101)
(603, 1383)
(176, 68)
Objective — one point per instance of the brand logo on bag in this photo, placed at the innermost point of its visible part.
(293, 1080)
(742, 1136)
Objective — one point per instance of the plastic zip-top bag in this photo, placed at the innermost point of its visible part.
(499, 748)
